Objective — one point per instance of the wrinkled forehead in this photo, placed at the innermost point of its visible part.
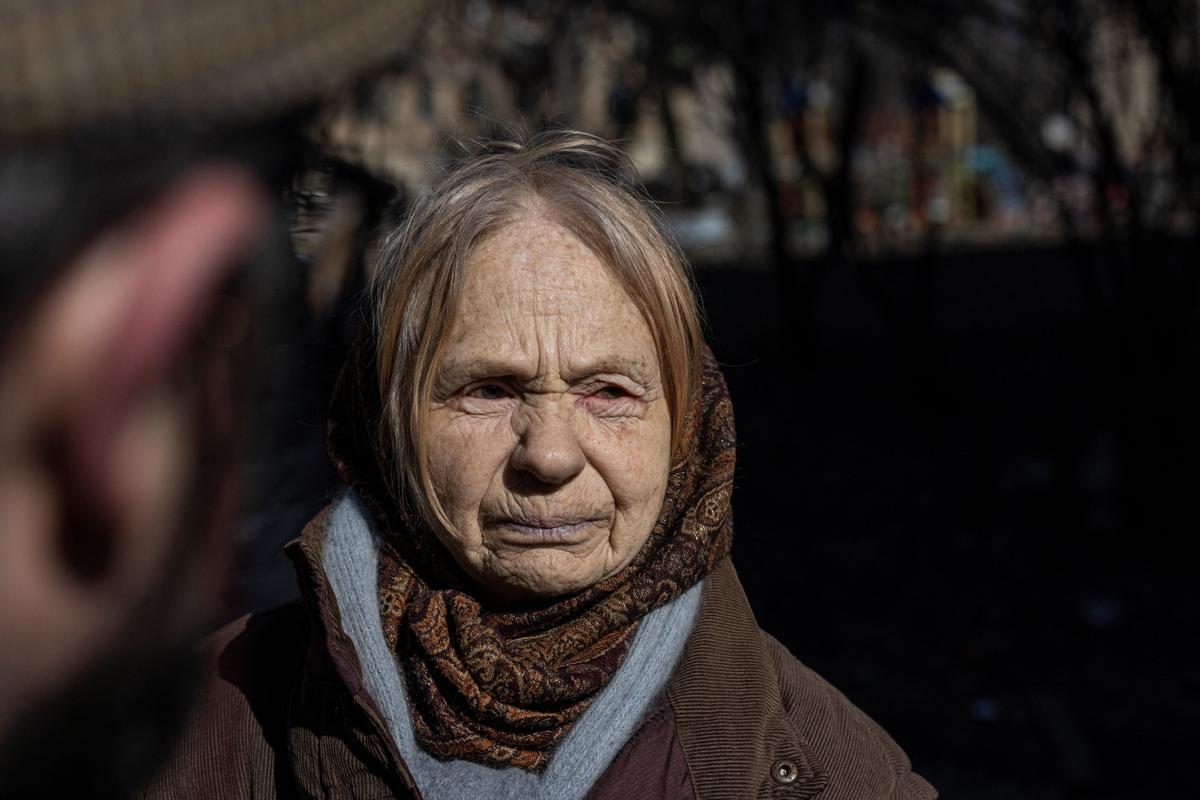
(533, 289)
(533, 263)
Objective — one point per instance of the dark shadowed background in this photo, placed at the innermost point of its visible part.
(947, 252)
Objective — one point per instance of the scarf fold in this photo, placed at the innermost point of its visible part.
(504, 687)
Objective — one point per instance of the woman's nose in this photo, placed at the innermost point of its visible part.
(548, 448)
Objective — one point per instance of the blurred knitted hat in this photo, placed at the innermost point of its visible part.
(71, 64)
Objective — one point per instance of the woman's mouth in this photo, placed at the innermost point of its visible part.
(533, 531)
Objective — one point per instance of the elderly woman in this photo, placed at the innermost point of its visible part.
(525, 590)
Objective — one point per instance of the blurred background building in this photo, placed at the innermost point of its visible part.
(975, 122)
(948, 256)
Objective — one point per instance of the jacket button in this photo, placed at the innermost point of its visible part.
(784, 772)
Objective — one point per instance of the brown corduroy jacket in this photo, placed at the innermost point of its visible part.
(287, 716)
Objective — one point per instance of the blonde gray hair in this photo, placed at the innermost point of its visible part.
(573, 179)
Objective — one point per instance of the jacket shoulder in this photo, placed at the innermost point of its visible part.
(858, 756)
(237, 729)
(754, 722)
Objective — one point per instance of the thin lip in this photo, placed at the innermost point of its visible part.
(542, 522)
(545, 530)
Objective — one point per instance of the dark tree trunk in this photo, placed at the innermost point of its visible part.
(678, 169)
(752, 110)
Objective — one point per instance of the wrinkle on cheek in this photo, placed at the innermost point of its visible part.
(465, 454)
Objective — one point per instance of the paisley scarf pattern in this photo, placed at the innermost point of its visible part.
(503, 687)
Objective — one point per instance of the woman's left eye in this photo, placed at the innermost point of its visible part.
(610, 393)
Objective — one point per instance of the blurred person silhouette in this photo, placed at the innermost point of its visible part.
(142, 152)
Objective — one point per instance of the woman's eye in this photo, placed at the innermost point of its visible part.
(488, 391)
(610, 393)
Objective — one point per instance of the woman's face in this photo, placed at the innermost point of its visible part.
(549, 434)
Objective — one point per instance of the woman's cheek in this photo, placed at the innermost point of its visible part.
(634, 462)
(450, 447)
(458, 436)
(616, 408)
(619, 435)
(637, 431)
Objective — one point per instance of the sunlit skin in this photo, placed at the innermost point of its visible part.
(549, 433)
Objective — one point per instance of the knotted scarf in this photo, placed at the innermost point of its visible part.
(504, 687)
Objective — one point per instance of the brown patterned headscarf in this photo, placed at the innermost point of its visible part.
(504, 687)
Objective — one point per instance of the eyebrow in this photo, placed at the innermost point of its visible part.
(633, 367)
(475, 369)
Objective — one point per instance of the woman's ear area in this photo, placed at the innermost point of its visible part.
(95, 447)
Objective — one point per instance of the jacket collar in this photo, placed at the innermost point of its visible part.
(730, 715)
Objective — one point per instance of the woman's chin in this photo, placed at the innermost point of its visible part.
(542, 571)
